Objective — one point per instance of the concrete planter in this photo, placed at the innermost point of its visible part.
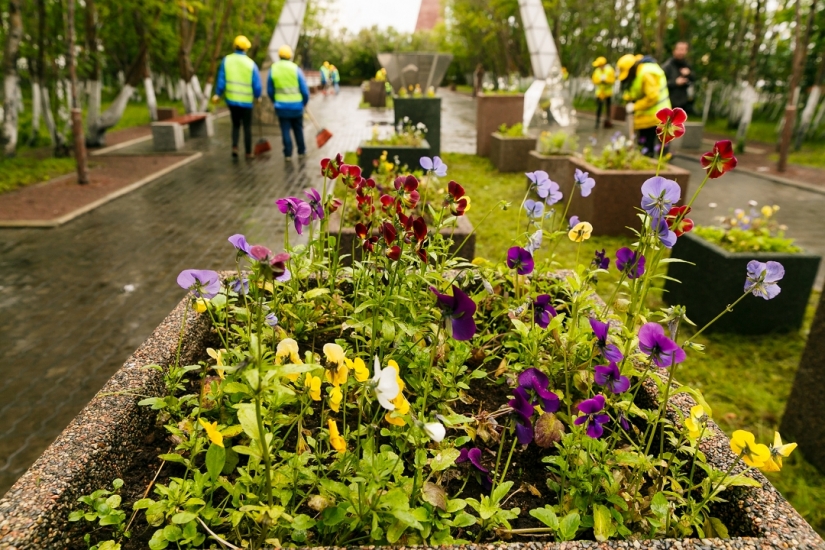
(426, 110)
(560, 170)
(718, 278)
(510, 154)
(368, 155)
(617, 195)
(349, 242)
(376, 94)
(491, 112)
(692, 138)
(100, 443)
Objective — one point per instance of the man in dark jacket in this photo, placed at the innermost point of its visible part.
(680, 78)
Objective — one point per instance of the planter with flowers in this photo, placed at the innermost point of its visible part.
(425, 109)
(552, 155)
(493, 110)
(510, 148)
(416, 399)
(713, 253)
(404, 146)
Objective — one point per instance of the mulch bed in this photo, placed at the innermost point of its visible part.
(62, 195)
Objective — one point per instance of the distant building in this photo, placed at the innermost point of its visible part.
(429, 14)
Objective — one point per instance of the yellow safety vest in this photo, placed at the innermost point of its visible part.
(238, 70)
(285, 80)
(645, 118)
(603, 78)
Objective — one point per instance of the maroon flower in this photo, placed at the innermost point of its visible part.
(671, 124)
(406, 190)
(351, 175)
(719, 160)
(677, 220)
(330, 168)
(363, 233)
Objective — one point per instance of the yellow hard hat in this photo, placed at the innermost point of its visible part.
(624, 64)
(285, 52)
(326, 63)
(600, 62)
(242, 42)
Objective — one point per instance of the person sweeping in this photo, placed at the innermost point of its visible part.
(240, 81)
(645, 90)
(603, 77)
(287, 88)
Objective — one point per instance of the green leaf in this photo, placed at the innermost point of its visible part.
(434, 494)
(183, 517)
(158, 541)
(659, 505)
(215, 458)
(113, 501)
(521, 328)
(602, 523)
(500, 492)
(444, 459)
(569, 526)
(108, 545)
(77, 515)
(741, 480)
(117, 484)
(715, 528)
(395, 531)
(173, 457)
(333, 516)
(547, 516)
(315, 292)
(236, 387)
(248, 420)
(463, 520)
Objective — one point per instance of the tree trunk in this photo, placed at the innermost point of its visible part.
(757, 42)
(77, 120)
(259, 21)
(661, 28)
(807, 116)
(95, 84)
(10, 77)
(213, 59)
(188, 28)
(36, 107)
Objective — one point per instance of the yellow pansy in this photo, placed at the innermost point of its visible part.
(288, 348)
(212, 432)
(775, 208)
(778, 452)
(218, 357)
(335, 398)
(695, 423)
(393, 365)
(336, 372)
(200, 305)
(334, 354)
(580, 232)
(402, 407)
(467, 207)
(314, 385)
(744, 444)
(362, 373)
(478, 260)
(767, 211)
(335, 440)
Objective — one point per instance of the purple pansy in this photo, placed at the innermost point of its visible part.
(239, 286)
(435, 164)
(296, 210)
(523, 411)
(574, 221)
(521, 260)
(550, 192)
(658, 195)
(630, 263)
(315, 204)
(239, 242)
(622, 419)
(601, 261)
(203, 283)
(663, 231)
(592, 416)
(536, 381)
(459, 308)
(662, 350)
(608, 351)
(474, 456)
(543, 311)
(537, 178)
(271, 319)
(611, 377)
(584, 182)
(535, 209)
(762, 278)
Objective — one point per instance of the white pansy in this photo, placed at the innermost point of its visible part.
(436, 431)
(385, 383)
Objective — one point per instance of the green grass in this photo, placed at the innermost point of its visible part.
(812, 155)
(25, 170)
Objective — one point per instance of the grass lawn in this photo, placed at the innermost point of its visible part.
(746, 380)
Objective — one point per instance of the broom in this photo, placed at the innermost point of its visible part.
(323, 134)
(262, 146)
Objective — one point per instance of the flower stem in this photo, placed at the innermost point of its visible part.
(509, 458)
(728, 308)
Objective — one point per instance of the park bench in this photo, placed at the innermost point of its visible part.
(167, 135)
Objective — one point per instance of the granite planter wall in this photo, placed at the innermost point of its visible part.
(492, 111)
(692, 138)
(560, 170)
(375, 94)
(349, 242)
(617, 195)
(718, 279)
(510, 154)
(101, 442)
(407, 156)
(426, 110)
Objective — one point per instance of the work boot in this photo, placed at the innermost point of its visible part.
(250, 156)
(608, 124)
(288, 159)
(597, 124)
(234, 152)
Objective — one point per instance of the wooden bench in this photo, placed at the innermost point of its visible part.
(167, 135)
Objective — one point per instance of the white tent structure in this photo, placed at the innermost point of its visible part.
(288, 29)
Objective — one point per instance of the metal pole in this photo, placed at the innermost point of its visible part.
(77, 120)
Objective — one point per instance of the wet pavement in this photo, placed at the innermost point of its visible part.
(76, 300)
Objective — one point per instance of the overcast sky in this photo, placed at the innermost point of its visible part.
(358, 14)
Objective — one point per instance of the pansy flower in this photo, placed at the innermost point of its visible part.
(662, 350)
(719, 160)
(212, 432)
(202, 283)
(239, 286)
(335, 440)
(239, 242)
(296, 210)
(580, 232)
(573, 222)
(778, 452)
(521, 260)
(434, 165)
(584, 182)
(534, 242)
(677, 220)
(592, 416)
(543, 311)
(629, 262)
(435, 430)
(385, 384)
(336, 370)
(611, 377)
(658, 196)
(459, 309)
(271, 264)
(671, 124)
(271, 320)
(600, 260)
(744, 445)
(367, 240)
(536, 382)
(662, 229)
(330, 167)
(535, 209)
(359, 368)
(607, 350)
(313, 386)
(522, 411)
(351, 175)
(696, 421)
(406, 190)
(474, 457)
(315, 204)
(762, 278)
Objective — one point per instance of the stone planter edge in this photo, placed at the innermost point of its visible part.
(510, 154)
(423, 151)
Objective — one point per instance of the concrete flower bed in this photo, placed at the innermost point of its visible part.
(427, 111)
(716, 280)
(407, 156)
(100, 443)
(493, 110)
(510, 154)
(613, 209)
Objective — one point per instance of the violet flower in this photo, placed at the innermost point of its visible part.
(315, 203)
(622, 419)
(459, 308)
(591, 409)
(611, 377)
(762, 279)
(584, 182)
(574, 221)
(630, 263)
(521, 260)
(239, 242)
(535, 209)
(203, 283)
(662, 350)
(537, 178)
(523, 411)
(534, 242)
(536, 381)
(601, 261)
(435, 164)
(296, 210)
(608, 351)
(271, 319)
(239, 286)
(663, 231)
(658, 195)
(550, 192)
(474, 456)
(543, 311)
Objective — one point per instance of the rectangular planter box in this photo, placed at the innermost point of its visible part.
(349, 240)
(491, 112)
(510, 154)
(409, 156)
(618, 194)
(426, 110)
(100, 443)
(560, 170)
(376, 94)
(718, 278)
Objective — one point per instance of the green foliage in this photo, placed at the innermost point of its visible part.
(756, 231)
(103, 507)
(25, 170)
(514, 131)
(407, 134)
(559, 142)
(619, 154)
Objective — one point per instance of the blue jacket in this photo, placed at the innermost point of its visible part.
(220, 87)
(289, 109)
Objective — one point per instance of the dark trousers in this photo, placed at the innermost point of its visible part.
(241, 116)
(599, 103)
(296, 125)
(649, 142)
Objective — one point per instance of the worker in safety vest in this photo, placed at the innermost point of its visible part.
(335, 77)
(239, 80)
(645, 90)
(603, 77)
(287, 88)
(325, 76)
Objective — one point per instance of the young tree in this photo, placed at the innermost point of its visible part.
(11, 99)
(77, 119)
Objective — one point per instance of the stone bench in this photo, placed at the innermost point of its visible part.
(168, 134)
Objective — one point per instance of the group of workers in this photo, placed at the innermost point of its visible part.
(330, 78)
(646, 88)
(239, 80)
